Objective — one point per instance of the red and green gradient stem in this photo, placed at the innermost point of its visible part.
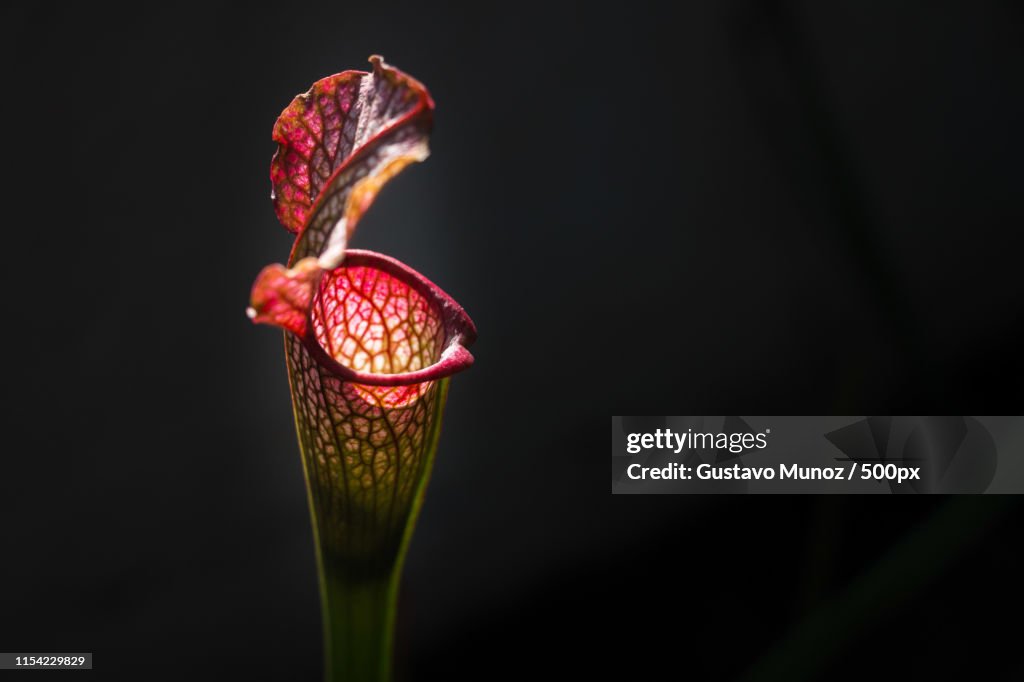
(359, 605)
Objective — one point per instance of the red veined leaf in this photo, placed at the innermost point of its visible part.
(338, 144)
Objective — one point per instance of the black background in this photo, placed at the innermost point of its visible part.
(735, 208)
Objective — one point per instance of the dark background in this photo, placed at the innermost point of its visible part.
(741, 207)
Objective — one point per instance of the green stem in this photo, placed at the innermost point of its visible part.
(358, 623)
